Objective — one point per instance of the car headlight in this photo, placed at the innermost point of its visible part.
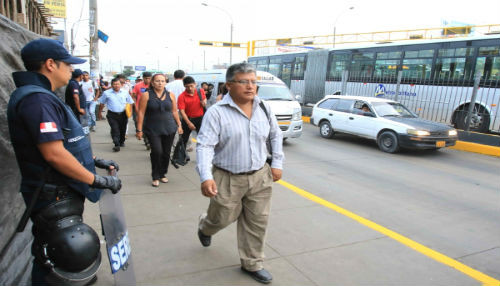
(418, 132)
(453, 132)
(297, 114)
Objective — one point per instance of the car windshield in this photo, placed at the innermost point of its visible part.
(274, 92)
(388, 109)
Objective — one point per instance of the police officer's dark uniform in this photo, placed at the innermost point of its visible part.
(66, 250)
(74, 87)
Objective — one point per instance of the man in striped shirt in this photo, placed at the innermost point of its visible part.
(231, 161)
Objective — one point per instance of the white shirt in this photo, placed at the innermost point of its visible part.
(230, 140)
(88, 90)
(176, 87)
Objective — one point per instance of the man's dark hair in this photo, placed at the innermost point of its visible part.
(36, 66)
(204, 83)
(85, 72)
(179, 74)
(146, 74)
(188, 80)
(120, 76)
(115, 80)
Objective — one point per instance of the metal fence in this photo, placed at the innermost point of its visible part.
(466, 103)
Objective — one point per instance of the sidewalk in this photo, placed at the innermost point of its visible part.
(307, 244)
(162, 224)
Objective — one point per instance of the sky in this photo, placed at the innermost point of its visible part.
(165, 33)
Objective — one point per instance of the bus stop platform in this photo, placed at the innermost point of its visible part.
(307, 244)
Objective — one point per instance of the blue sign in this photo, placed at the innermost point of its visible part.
(103, 37)
(140, 68)
(119, 253)
(380, 90)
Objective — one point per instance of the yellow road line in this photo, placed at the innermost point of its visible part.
(483, 278)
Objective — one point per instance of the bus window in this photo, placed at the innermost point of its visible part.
(417, 69)
(386, 68)
(389, 55)
(338, 63)
(275, 66)
(419, 54)
(362, 66)
(299, 68)
(262, 65)
(451, 67)
(488, 62)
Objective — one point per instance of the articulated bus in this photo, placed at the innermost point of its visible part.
(436, 77)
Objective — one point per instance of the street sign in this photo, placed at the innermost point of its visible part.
(140, 68)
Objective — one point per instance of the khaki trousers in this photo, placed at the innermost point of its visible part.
(246, 198)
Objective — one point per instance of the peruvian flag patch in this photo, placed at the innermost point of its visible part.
(46, 127)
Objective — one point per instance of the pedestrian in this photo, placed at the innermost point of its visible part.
(57, 168)
(231, 161)
(222, 92)
(159, 121)
(191, 104)
(74, 96)
(91, 93)
(116, 99)
(177, 86)
(137, 92)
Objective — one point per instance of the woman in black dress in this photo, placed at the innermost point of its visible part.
(158, 120)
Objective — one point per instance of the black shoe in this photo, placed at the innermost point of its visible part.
(204, 239)
(262, 276)
(116, 148)
(122, 144)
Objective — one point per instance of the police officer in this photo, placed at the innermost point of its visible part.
(57, 168)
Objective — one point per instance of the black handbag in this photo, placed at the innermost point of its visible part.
(180, 156)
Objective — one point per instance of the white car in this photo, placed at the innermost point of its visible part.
(387, 122)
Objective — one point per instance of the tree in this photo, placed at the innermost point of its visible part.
(128, 72)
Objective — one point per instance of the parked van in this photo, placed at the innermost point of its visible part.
(270, 89)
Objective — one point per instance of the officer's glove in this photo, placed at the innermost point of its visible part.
(105, 164)
(107, 182)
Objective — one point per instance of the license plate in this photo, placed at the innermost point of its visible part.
(440, 143)
(284, 122)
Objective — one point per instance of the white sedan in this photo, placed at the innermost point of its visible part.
(387, 122)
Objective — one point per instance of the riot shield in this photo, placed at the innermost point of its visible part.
(116, 235)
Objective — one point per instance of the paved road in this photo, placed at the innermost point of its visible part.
(448, 201)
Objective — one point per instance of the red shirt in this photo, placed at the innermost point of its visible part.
(191, 103)
(139, 89)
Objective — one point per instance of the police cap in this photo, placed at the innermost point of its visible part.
(44, 49)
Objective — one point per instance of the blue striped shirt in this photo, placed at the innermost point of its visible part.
(116, 100)
(231, 141)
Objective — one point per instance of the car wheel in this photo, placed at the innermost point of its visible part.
(325, 129)
(388, 142)
(480, 121)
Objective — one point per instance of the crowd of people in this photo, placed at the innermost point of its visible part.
(232, 151)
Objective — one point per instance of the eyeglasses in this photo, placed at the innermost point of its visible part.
(245, 82)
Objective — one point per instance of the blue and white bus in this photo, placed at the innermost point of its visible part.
(437, 76)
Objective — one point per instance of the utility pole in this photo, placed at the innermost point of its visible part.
(94, 41)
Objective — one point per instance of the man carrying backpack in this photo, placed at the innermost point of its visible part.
(191, 103)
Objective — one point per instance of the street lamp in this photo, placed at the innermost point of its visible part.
(335, 23)
(231, 18)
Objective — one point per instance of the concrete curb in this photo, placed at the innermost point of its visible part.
(461, 145)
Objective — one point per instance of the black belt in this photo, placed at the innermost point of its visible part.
(50, 192)
(117, 113)
(242, 173)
